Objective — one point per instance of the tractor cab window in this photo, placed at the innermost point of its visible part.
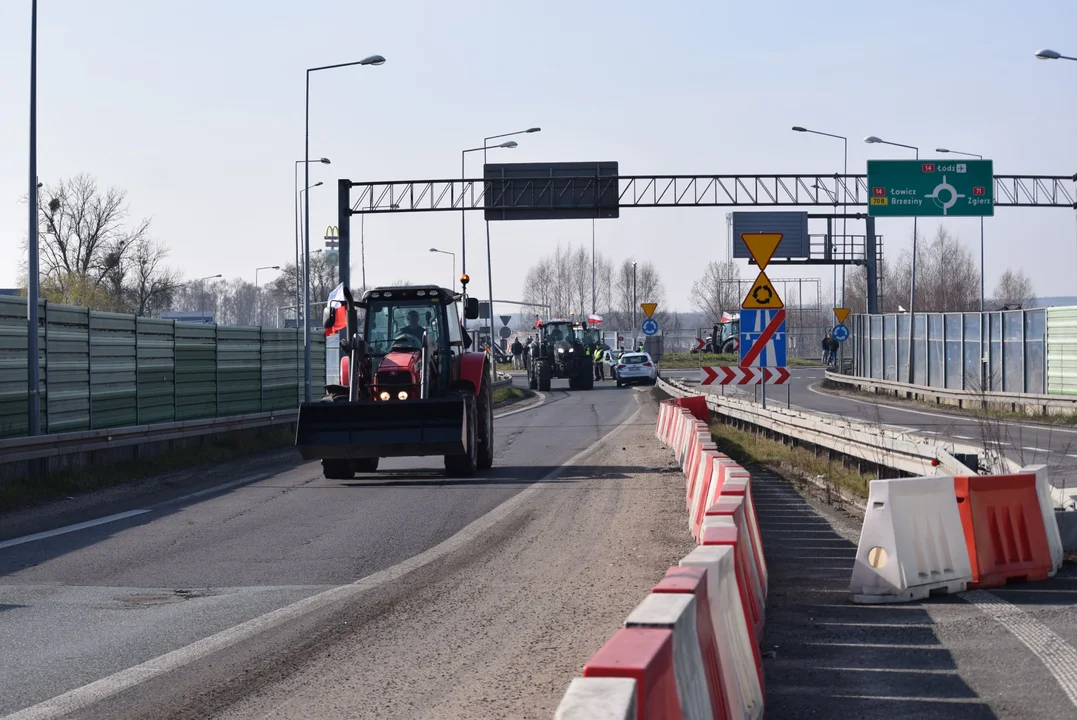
(557, 333)
(454, 330)
(402, 325)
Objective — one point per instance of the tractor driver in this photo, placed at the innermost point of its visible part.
(413, 327)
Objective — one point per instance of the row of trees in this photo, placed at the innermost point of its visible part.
(947, 280)
(563, 281)
(94, 254)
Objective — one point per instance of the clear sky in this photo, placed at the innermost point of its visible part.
(196, 108)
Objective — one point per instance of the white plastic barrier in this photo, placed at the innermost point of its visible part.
(1047, 508)
(911, 543)
(677, 612)
(599, 698)
(739, 673)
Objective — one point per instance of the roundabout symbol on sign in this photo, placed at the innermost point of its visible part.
(840, 332)
(945, 187)
(650, 327)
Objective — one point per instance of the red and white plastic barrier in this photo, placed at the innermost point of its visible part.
(691, 648)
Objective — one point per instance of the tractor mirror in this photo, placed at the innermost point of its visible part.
(471, 310)
(327, 317)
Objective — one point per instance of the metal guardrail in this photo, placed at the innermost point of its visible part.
(1011, 401)
(873, 444)
(22, 449)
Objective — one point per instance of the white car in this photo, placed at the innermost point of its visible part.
(635, 368)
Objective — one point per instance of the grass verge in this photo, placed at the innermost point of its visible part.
(505, 395)
(690, 361)
(749, 448)
(15, 494)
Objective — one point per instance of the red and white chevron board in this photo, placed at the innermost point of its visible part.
(734, 375)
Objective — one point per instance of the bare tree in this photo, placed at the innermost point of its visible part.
(1014, 288)
(718, 290)
(281, 292)
(947, 278)
(85, 241)
(150, 284)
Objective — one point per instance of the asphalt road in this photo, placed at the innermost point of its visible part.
(1027, 443)
(86, 604)
(1004, 653)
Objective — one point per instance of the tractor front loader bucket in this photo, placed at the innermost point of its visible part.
(371, 429)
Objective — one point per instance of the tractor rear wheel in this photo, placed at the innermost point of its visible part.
(466, 464)
(484, 409)
(337, 469)
(544, 372)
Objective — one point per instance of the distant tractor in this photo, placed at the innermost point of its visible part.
(409, 385)
(724, 337)
(559, 353)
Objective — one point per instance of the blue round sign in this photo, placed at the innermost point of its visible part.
(650, 327)
(840, 333)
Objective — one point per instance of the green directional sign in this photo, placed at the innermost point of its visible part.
(931, 188)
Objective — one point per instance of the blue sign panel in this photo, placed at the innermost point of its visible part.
(840, 332)
(762, 338)
(650, 327)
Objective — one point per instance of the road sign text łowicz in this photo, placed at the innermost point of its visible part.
(931, 188)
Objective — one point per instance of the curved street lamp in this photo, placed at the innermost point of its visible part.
(371, 60)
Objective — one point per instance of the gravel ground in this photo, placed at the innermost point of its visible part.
(496, 629)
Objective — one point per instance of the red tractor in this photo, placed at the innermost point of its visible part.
(409, 385)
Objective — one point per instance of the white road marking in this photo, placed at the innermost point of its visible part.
(183, 498)
(1034, 449)
(967, 418)
(82, 697)
(1057, 655)
(130, 513)
(72, 528)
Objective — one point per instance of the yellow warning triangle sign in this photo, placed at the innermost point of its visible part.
(762, 296)
(649, 308)
(761, 246)
(841, 314)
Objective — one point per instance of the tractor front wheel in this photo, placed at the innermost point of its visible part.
(366, 465)
(466, 464)
(337, 469)
(484, 409)
(544, 376)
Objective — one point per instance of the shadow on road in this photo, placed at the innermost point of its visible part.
(825, 657)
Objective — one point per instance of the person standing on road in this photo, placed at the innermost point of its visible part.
(826, 345)
(517, 353)
(600, 368)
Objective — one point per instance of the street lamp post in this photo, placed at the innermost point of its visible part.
(296, 199)
(872, 139)
(982, 288)
(299, 267)
(257, 292)
(463, 219)
(33, 291)
(633, 306)
(1052, 55)
(372, 60)
(844, 207)
(447, 252)
(489, 257)
(202, 297)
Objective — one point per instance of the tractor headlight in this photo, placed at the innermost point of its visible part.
(384, 395)
(560, 350)
(402, 395)
(572, 349)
